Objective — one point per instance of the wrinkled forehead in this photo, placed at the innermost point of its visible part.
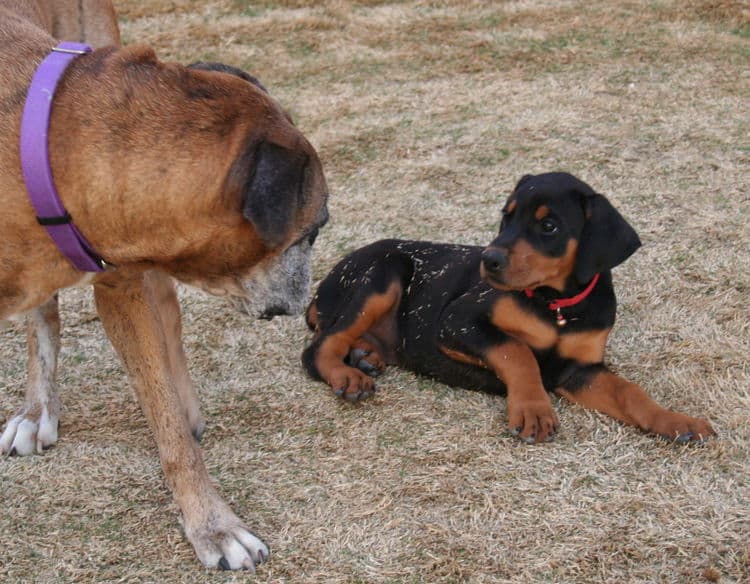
(524, 202)
(542, 195)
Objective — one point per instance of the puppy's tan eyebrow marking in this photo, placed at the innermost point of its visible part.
(510, 207)
(541, 212)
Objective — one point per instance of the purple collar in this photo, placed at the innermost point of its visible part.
(35, 164)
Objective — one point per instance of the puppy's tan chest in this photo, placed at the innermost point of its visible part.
(509, 317)
(586, 347)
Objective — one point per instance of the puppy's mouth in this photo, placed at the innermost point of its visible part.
(499, 281)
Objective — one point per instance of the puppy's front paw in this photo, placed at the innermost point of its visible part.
(532, 420)
(350, 383)
(222, 541)
(32, 429)
(680, 428)
(366, 357)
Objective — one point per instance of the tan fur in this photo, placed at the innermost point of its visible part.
(330, 359)
(510, 317)
(530, 269)
(585, 348)
(629, 403)
(530, 411)
(152, 173)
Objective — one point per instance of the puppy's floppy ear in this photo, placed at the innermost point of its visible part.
(273, 195)
(607, 239)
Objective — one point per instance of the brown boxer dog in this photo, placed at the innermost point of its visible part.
(167, 171)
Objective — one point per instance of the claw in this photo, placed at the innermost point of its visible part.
(683, 438)
(357, 355)
(367, 367)
(677, 438)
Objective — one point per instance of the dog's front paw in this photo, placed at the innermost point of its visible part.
(532, 420)
(30, 430)
(366, 357)
(350, 383)
(680, 428)
(222, 541)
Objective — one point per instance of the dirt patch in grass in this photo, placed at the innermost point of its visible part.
(425, 114)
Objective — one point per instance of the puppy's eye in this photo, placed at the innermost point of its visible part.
(548, 226)
(503, 221)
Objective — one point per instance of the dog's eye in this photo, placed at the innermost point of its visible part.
(505, 216)
(548, 226)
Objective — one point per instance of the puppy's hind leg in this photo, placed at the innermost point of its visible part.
(34, 426)
(326, 356)
(597, 388)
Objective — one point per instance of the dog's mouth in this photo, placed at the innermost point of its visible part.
(500, 281)
(262, 311)
(273, 311)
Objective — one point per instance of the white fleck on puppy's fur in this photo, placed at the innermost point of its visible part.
(34, 426)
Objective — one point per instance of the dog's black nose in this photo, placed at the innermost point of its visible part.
(494, 259)
(272, 311)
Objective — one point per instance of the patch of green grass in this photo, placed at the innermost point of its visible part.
(110, 527)
(493, 157)
(300, 47)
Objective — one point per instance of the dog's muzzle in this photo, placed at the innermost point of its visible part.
(494, 262)
(281, 287)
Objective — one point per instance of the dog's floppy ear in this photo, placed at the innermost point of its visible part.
(274, 193)
(522, 180)
(607, 239)
(222, 68)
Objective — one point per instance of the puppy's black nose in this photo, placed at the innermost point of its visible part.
(494, 259)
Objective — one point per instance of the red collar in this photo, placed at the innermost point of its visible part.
(556, 305)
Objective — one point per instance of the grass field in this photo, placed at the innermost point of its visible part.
(425, 114)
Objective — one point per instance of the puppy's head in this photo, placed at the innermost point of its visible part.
(555, 229)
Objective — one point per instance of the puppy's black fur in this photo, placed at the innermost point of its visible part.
(485, 318)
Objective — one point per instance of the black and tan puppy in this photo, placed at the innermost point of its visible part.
(528, 314)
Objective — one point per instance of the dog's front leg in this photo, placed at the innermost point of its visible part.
(129, 310)
(466, 336)
(165, 296)
(597, 388)
(530, 413)
(34, 425)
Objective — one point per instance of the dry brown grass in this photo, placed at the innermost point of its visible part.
(425, 113)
